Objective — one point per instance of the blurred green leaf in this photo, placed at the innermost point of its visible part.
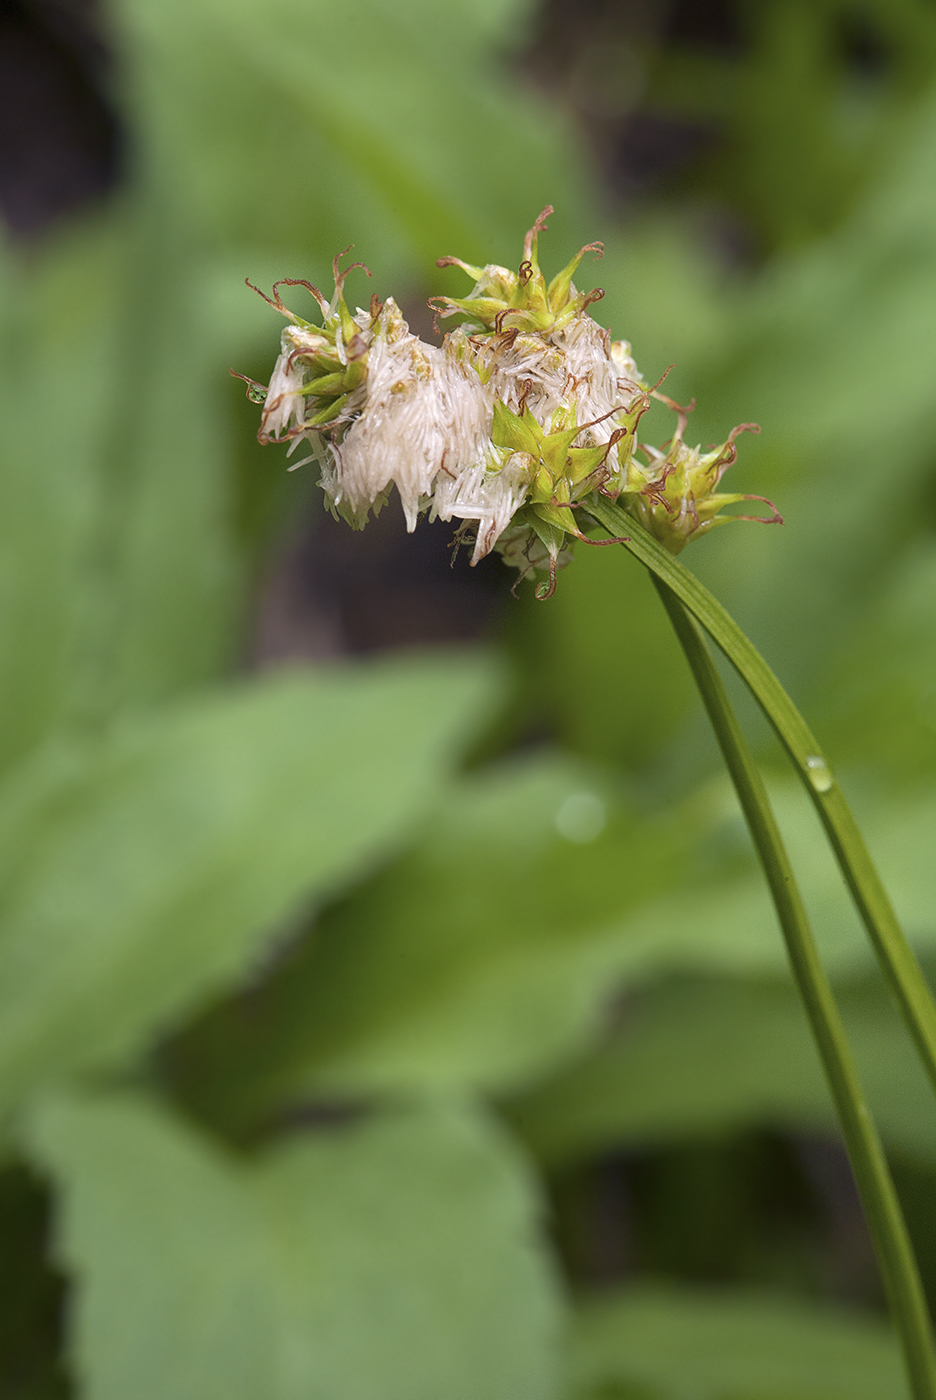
(56, 329)
(479, 957)
(396, 1259)
(490, 951)
(831, 357)
(878, 699)
(400, 130)
(829, 350)
(124, 566)
(793, 168)
(164, 548)
(681, 1344)
(714, 910)
(119, 579)
(603, 635)
(146, 869)
(702, 1057)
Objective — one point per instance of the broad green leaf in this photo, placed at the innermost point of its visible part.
(477, 959)
(145, 870)
(56, 329)
(704, 1057)
(490, 951)
(170, 575)
(717, 906)
(682, 1344)
(393, 1260)
(119, 579)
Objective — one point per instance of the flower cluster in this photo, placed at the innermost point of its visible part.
(524, 411)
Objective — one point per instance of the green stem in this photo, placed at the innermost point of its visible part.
(894, 1251)
(895, 955)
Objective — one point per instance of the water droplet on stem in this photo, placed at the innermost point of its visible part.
(820, 774)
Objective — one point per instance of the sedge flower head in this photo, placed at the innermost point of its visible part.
(676, 496)
(525, 411)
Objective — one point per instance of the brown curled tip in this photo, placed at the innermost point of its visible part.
(276, 301)
(775, 519)
(730, 453)
(593, 421)
(502, 315)
(612, 442)
(253, 385)
(594, 295)
(538, 228)
(265, 438)
(654, 489)
(277, 304)
(612, 539)
(294, 356)
(300, 282)
(445, 308)
(680, 407)
(341, 276)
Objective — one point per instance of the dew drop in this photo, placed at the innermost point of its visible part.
(820, 774)
(582, 817)
(256, 393)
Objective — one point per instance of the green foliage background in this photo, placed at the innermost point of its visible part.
(332, 1049)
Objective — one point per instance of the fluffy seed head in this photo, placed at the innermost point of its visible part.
(526, 409)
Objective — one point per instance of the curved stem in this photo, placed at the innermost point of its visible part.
(895, 955)
(892, 1243)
